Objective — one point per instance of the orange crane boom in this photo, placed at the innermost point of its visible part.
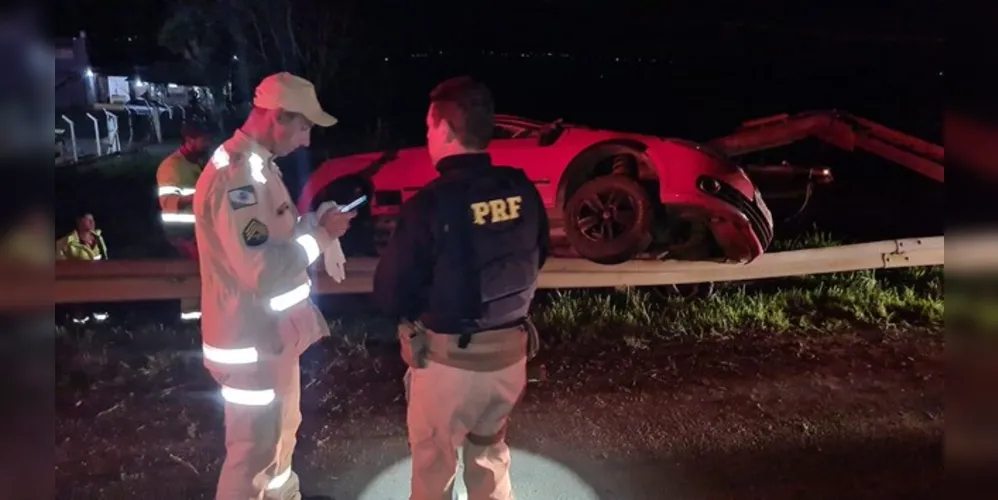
(840, 129)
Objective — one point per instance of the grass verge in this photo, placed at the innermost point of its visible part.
(879, 299)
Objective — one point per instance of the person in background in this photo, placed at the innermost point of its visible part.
(176, 178)
(83, 243)
(258, 319)
(459, 273)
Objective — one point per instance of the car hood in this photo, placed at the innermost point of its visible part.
(355, 164)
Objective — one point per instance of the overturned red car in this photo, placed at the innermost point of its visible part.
(616, 196)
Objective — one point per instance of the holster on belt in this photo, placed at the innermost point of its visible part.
(487, 351)
(533, 339)
(415, 347)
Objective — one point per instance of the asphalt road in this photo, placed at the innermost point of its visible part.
(769, 418)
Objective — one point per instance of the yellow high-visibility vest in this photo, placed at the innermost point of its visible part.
(70, 247)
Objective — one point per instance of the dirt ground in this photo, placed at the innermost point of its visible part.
(850, 416)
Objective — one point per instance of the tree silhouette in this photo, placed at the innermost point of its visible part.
(243, 40)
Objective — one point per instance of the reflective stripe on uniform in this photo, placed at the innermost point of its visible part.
(241, 356)
(178, 218)
(174, 190)
(190, 315)
(307, 241)
(256, 168)
(247, 397)
(220, 158)
(279, 480)
(286, 300)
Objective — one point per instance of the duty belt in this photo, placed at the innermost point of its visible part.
(533, 338)
(416, 342)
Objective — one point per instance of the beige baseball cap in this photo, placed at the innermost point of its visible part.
(292, 93)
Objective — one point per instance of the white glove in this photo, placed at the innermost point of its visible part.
(332, 256)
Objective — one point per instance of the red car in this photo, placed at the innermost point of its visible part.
(616, 195)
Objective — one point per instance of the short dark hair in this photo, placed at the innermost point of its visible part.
(467, 106)
(193, 130)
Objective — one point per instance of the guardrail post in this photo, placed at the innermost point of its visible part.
(131, 127)
(72, 137)
(154, 116)
(96, 132)
(159, 111)
(114, 140)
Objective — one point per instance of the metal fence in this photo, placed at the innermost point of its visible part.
(109, 129)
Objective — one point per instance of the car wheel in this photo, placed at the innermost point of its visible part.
(609, 219)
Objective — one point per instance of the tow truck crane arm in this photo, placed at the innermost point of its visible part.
(840, 129)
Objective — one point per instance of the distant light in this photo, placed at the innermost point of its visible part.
(89, 73)
(235, 57)
(172, 85)
(386, 59)
(940, 73)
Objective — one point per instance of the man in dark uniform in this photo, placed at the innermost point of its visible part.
(460, 273)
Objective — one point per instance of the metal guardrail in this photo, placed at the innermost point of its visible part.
(124, 281)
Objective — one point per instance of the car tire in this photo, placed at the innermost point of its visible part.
(609, 219)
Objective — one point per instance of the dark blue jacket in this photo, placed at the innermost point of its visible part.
(467, 249)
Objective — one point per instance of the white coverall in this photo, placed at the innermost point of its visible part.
(257, 317)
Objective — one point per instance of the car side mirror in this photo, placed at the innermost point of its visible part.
(550, 133)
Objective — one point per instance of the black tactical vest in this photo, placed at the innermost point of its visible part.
(485, 274)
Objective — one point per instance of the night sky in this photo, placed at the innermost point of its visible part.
(588, 27)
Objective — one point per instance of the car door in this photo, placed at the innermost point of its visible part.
(519, 148)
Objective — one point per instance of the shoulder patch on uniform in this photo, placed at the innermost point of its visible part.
(255, 233)
(242, 197)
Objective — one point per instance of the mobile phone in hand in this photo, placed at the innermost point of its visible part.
(354, 204)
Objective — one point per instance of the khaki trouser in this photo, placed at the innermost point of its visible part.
(260, 441)
(452, 407)
(188, 249)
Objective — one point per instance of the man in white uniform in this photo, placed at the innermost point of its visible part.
(257, 317)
